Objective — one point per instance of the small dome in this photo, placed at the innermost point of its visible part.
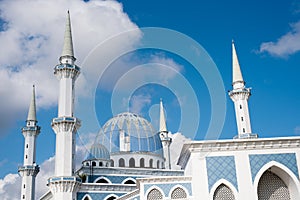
(137, 131)
(98, 151)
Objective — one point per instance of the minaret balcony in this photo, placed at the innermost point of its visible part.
(29, 170)
(34, 128)
(66, 70)
(243, 92)
(65, 124)
(64, 183)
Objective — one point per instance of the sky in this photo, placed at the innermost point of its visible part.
(131, 54)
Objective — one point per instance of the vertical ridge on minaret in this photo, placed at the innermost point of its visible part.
(236, 69)
(162, 119)
(68, 43)
(32, 108)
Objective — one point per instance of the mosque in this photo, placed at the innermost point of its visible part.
(131, 160)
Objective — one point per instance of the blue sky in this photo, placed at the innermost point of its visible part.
(267, 38)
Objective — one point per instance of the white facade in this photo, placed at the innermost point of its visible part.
(240, 164)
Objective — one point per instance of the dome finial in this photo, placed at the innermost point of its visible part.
(32, 108)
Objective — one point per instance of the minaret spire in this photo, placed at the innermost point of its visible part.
(66, 124)
(162, 119)
(32, 108)
(240, 95)
(236, 70)
(67, 55)
(30, 169)
(164, 135)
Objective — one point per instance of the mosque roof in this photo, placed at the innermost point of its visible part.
(98, 151)
(137, 130)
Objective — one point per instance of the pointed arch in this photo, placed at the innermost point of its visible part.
(131, 163)
(121, 162)
(225, 183)
(154, 193)
(284, 173)
(178, 192)
(86, 197)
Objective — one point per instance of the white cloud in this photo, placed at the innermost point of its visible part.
(286, 45)
(32, 41)
(138, 102)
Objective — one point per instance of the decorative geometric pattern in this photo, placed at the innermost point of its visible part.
(178, 193)
(96, 196)
(166, 187)
(271, 187)
(221, 167)
(223, 193)
(257, 161)
(154, 194)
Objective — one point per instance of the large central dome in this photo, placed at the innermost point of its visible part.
(132, 133)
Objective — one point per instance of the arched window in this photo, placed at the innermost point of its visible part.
(270, 186)
(129, 182)
(157, 164)
(223, 193)
(142, 162)
(178, 193)
(151, 163)
(121, 162)
(102, 180)
(100, 164)
(154, 194)
(112, 197)
(87, 164)
(86, 198)
(93, 164)
(131, 162)
(112, 163)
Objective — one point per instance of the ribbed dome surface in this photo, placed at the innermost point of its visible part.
(98, 151)
(138, 131)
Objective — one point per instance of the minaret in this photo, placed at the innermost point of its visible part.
(29, 170)
(64, 184)
(240, 95)
(164, 135)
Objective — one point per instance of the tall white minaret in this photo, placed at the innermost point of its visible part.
(29, 170)
(64, 184)
(240, 95)
(164, 135)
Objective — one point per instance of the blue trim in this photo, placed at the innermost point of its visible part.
(66, 66)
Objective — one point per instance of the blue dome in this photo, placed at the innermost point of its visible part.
(138, 132)
(98, 151)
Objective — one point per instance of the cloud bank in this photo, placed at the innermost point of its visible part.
(31, 38)
(286, 45)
